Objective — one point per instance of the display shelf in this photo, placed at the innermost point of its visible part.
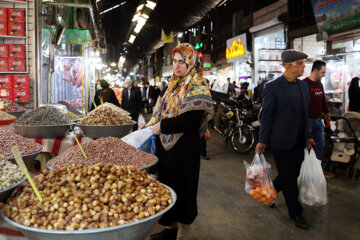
(268, 60)
(9, 36)
(13, 1)
(13, 72)
(272, 49)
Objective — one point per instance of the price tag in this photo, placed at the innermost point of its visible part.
(3, 93)
(1, 104)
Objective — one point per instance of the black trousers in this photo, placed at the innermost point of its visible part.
(288, 164)
(135, 117)
(203, 146)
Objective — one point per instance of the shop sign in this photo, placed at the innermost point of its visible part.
(207, 61)
(236, 48)
(334, 16)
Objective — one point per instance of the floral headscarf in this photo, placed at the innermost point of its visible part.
(185, 93)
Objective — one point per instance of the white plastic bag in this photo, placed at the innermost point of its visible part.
(137, 138)
(141, 122)
(311, 181)
(258, 180)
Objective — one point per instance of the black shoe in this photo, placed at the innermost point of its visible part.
(205, 157)
(300, 222)
(273, 205)
(166, 234)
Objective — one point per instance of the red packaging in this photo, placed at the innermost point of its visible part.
(4, 50)
(21, 95)
(3, 14)
(21, 81)
(16, 64)
(6, 93)
(16, 50)
(4, 64)
(16, 15)
(3, 28)
(6, 81)
(16, 29)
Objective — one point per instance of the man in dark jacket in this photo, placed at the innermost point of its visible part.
(131, 100)
(284, 128)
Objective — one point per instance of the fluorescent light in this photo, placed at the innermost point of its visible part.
(144, 16)
(109, 9)
(132, 39)
(140, 7)
(180, 35)
(151, 5)
(113, 64)
(140, 24)
(136, 16)
(98, 0)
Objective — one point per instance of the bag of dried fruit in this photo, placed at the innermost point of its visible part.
(311, 181)
(258, 180)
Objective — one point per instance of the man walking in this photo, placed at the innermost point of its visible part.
(131, 101)
(284, 128)
(317, 107)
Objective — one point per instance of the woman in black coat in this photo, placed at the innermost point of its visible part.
(180, 121)
(104, 94)
(354, 95)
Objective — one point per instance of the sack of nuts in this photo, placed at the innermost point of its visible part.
(258, 180)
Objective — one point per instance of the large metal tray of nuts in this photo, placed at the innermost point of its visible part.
(5, 193)
(29, 159)
(98, 131)
(131, 231)
(147, 167)
(16, 114)
(49, 131)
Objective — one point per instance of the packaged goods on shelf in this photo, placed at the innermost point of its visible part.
(3, 28)
(8, 139)
(4, 64)
(16, 64)
(16, 29)
(42, 116)
(16, 50)
(4, 50)
(6, 81)
(104, 150)
(10, 106)
(21, 81)
(3, 14)
(21, 94)
(6, 93)
(16, 15)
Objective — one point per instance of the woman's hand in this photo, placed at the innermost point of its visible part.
(156, 129)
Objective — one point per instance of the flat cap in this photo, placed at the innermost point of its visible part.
(291, 55)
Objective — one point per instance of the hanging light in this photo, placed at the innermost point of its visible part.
(113, 64)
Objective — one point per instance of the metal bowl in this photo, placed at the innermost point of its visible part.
(16, 114)
(5, 193)
(93, 131)
(131, 231)
(147, 168)
(28, 159)
(50, 131)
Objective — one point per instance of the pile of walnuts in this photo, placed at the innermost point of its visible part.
(88, 197)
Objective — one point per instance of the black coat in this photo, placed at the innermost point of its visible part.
(354, 99)
(134, 104)
(113, 99)
(179, 167)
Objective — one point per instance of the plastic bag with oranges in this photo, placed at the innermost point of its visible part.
(258, 180)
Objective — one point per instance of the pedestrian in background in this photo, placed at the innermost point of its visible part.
(354, 95)
(284, 125)
(318, 107)
(104, 94)
(131, 100)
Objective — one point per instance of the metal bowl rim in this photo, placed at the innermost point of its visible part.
(39, 126)
(142, 168)
(81, 125)
(89, 231)
(30, 154)
(15, 185)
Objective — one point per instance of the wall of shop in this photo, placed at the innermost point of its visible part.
(271, 11)
(310, 46)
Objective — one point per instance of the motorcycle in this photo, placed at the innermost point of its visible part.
(234, 123)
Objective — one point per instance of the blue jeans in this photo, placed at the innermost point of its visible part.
(317, 133)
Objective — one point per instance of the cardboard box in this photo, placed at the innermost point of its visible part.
(4, 64)
(3, 14)
(21, 94)
(6, 93)
(4, 50)
(16, 50)
(21, 81)
(6, 81)
(16, 29)
(16, 15)
(3, 28)
(16, 64)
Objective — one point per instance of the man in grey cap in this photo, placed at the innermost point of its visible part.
(284, 129)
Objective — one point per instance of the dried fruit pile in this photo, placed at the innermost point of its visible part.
(88, 197)
(106, 116)
(43, 116)
(10, 173)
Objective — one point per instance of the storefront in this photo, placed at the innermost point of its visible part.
(268, 44)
